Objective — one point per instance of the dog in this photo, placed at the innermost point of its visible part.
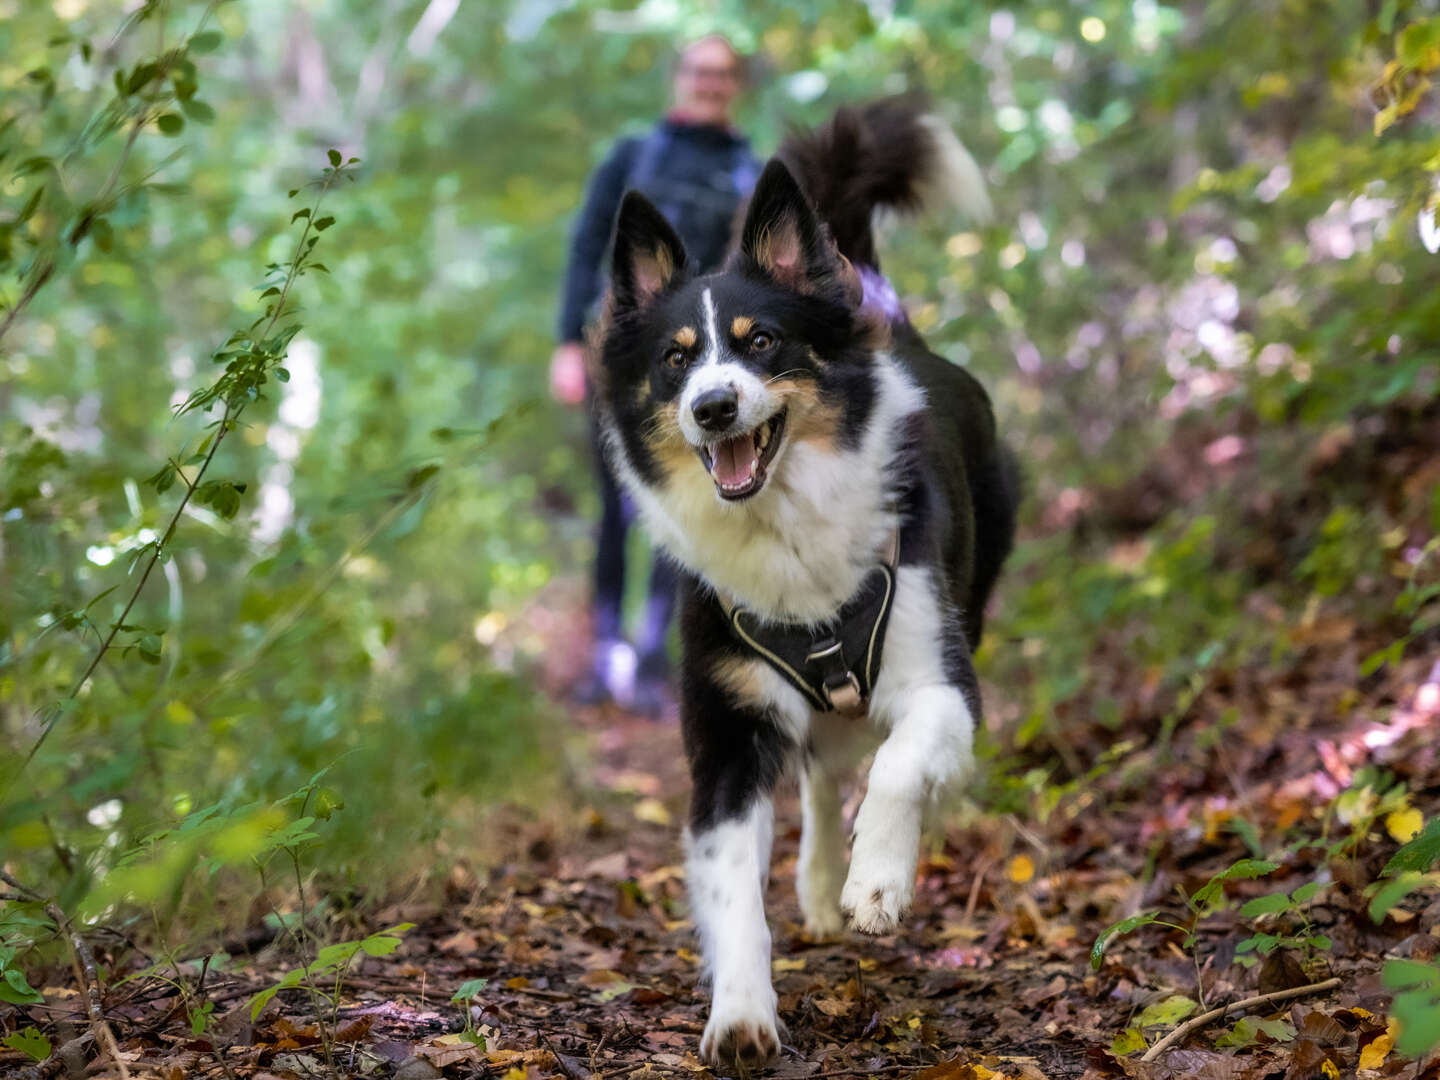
(840, 504)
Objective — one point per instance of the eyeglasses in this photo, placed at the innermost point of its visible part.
(729, 74)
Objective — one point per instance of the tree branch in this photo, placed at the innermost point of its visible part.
(1215, 1014)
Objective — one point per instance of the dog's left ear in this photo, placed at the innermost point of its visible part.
(785, 240)
(648, 254)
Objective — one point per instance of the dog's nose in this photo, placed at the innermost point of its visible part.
(715, 410)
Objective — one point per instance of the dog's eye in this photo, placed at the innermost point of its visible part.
(760, 341)
(675, 358)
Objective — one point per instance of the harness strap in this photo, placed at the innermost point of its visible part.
(834, 665)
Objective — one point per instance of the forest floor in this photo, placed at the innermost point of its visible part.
(579, 929)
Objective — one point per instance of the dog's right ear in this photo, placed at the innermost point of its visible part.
(648, 254)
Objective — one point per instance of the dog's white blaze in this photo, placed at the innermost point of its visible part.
(711, 355)
(798, 549)
(727, 867)
(929, 745)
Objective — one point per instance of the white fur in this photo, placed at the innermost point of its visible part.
(799, 548)
(756, 403)
(929, 745)
(727, 868)
(821, 868)
(957, 178)
(711, 352)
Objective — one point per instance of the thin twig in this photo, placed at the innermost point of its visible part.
(26, 893)
(89, 979)
(1215, 1014)
(226, 423)
(560, 1061)
(157, 551)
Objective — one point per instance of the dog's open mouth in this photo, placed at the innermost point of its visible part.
(738, 465)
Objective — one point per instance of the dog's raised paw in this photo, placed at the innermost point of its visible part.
(735, 1038)
(874, 909)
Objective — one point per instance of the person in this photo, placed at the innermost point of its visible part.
(697, 168)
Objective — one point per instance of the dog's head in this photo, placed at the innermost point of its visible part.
(715, 380)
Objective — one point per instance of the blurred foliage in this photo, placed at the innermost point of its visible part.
(1208, 265)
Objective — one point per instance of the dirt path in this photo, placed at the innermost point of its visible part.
(580, 933)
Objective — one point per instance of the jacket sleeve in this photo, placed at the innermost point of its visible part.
(590, 238)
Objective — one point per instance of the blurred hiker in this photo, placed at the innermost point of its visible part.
(697, 168)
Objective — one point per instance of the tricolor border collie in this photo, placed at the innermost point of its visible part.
(841, 506)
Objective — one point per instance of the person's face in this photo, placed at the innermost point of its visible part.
(707, 81)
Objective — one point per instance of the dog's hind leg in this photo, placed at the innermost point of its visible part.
(835, 746)
(926, 695)
(821, 869)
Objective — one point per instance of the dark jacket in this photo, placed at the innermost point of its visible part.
(696, 174)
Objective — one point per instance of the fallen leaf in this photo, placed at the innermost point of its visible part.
(652, 811)
(1170, 1011)
(1374, 1053)
(461, 943)
(1021, 869)
(1404, 825)
(1128, 1041)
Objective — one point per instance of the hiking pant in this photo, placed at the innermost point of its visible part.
(617, 513)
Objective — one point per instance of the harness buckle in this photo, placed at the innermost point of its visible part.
(846, 698)
(841, 687)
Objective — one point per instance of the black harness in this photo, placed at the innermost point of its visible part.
(835, 664)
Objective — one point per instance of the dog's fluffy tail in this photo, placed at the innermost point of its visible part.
(892, 153)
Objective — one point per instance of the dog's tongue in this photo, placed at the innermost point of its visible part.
(735, 461)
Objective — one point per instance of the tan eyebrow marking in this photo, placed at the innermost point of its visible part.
(686, 337)
(742, 325)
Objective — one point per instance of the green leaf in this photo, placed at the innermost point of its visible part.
(321, 224)
(327, 800)
(334, 156)
(260, 1000)
(170, 123)
(197, 110)
(1168, 1012)
(200, 1018)
(28, 210)
(29, 1042)
(1279, 1030)
(1419, 854)
(1417, 1004)
(332, 956)
(1240, 1036)
(205, 42)
(1389, 895)
(1242, 870)
(385, 942)
(1119, 929)
(1305, 893)
(470, 989)
(1265, 905)
(15, 990)
(1416, 40)
(1264, 944)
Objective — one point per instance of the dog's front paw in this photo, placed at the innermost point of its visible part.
(876, 907)
(747, 1034)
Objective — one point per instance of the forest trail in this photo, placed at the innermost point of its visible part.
(590, 967)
